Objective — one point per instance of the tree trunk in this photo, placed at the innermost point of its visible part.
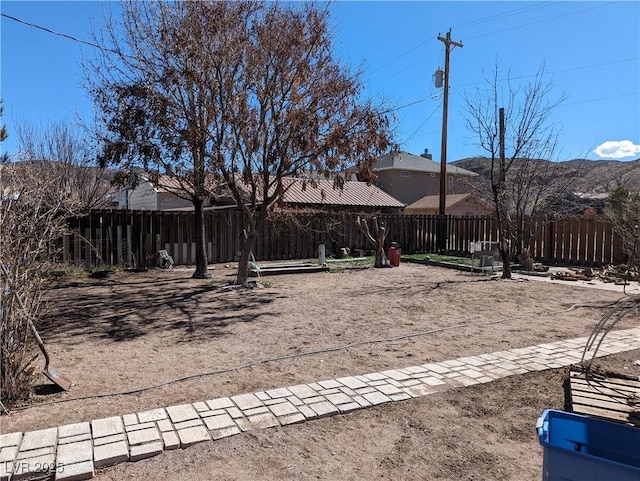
(505, 253)
(380, 232)
(380, 257)
(201, 242)
(245, 253)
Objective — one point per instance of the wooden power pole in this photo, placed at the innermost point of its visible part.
(441, 238)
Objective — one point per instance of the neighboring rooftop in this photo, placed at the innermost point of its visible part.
(316, 192)
(416, 163)
(433, 201)
(353, 193)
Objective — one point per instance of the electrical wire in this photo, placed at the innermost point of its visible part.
(453, 88)
(395, 109)
(516, 11)
(422, 124)
(541, 21)
(502, 16)
(401, 56)
(59, 34)
(598, 99)
(300, 355)
(550, 72)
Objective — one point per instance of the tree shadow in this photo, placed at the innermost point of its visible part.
(126, 310)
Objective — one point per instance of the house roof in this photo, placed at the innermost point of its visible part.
(300, 191)
(406, 161)
(433, 201)
(317, 192)
(166, 183)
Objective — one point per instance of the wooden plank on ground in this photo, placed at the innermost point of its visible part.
(609, 377)
(610, 396)
(610, 402)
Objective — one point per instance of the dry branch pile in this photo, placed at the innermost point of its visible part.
(620, 274)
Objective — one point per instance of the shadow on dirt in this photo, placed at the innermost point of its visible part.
(46, 389)
(129, 307)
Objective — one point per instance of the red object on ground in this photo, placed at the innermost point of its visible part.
(394, 256)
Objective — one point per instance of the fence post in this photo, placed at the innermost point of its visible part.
(65, 249)
(322, 258)
(129, 244)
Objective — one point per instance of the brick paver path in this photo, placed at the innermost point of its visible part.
(72, 452)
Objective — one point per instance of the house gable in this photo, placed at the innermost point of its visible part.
(409, 177)
(143, 197)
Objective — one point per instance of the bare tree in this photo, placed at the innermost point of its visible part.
(243, 94)
(165, 82)
(623, 209)
(35, 205)
(512, 124)
(52, 179)
(297, 110)
(66, 157)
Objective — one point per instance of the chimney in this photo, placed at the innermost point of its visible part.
(426, 154)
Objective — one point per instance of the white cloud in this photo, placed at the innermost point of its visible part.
(617, 149)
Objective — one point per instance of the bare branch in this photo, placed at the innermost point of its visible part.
(520, 175)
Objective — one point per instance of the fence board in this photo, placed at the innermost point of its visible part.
(125, 237)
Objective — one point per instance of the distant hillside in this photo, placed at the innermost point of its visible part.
(586, 176)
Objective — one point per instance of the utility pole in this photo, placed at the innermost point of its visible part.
(441, 241)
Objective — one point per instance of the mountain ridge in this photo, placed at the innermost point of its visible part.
(583, 175)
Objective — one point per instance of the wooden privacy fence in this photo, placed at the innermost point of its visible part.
(133, 238)
(575, 240)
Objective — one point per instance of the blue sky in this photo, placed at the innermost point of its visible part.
(591, 51)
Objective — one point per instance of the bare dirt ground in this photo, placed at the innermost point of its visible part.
(137, 330)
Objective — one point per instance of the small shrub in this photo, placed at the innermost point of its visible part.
(103, 268)
(61, 272)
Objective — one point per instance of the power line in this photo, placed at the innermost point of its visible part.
(553, 71)
(53, 32)
(543, 20)
(501, 16)
(398, 72)
(559, 105)
(422, 124)
(598, 99)
(524, 76)
(496, 17)
(395, 109)
(400, 56)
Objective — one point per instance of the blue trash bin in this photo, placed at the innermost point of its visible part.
(583, 448)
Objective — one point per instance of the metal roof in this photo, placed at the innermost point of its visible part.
(316, 192)
(323, 192)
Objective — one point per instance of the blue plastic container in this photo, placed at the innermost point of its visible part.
(582, 448)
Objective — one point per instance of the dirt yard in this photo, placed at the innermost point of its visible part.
(138, 332)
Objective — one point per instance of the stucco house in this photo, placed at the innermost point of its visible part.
(455, 204)
(409, 177)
